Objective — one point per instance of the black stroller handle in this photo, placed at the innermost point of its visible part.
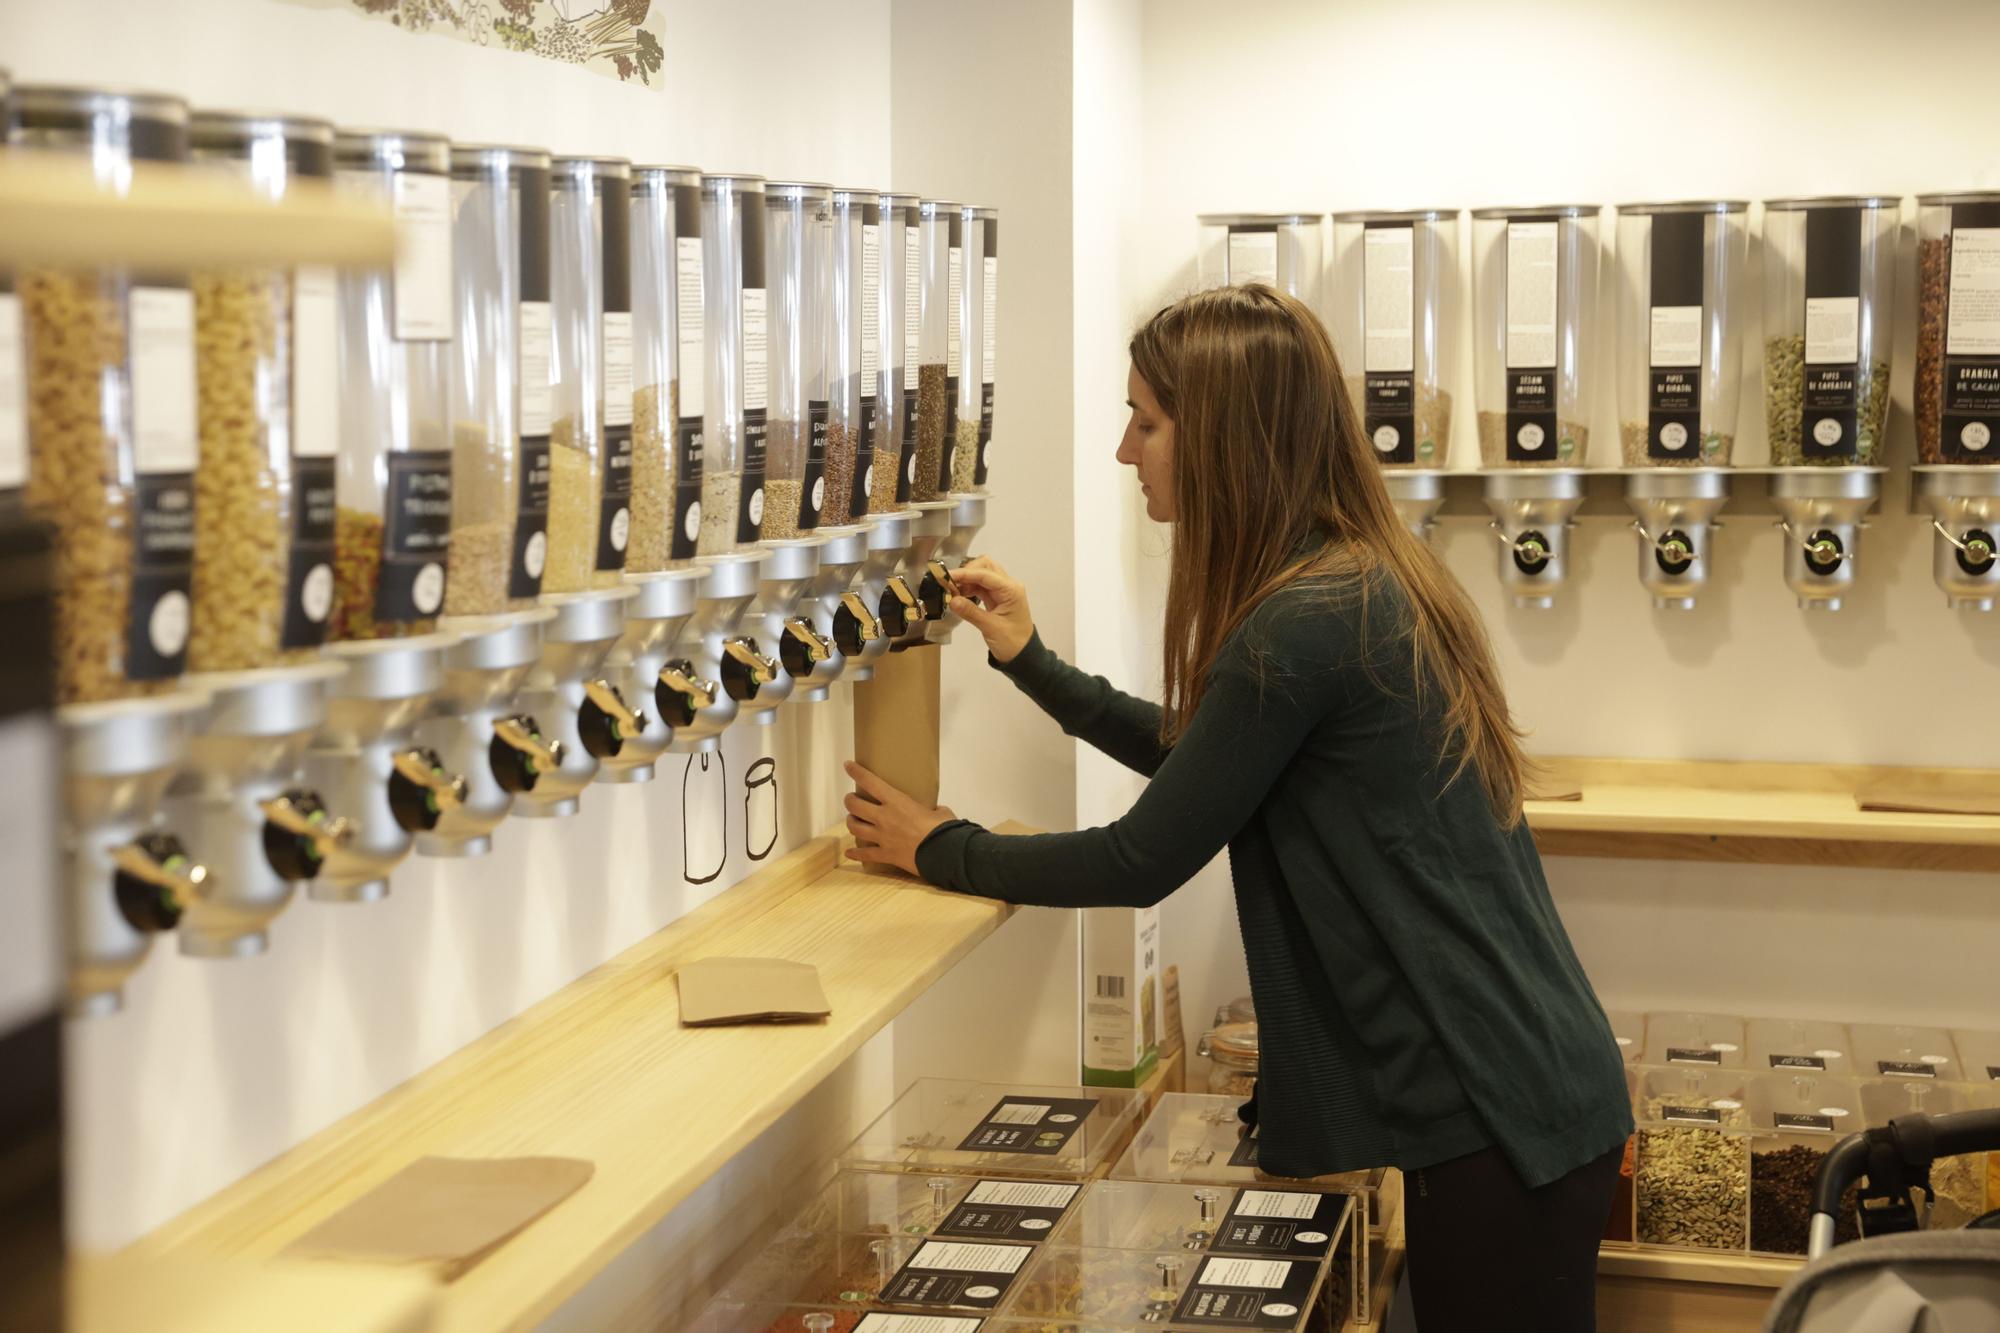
(1911, 1143)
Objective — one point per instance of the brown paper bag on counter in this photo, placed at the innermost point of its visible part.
(445, 1213)
(897, 723)
(1907, 799)
(750, 990)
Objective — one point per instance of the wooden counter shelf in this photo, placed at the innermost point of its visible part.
(603, 1070)
(1772, 814)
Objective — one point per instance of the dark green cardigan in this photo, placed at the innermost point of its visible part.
(1417, 996)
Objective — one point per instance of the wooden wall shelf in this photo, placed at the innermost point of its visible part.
(1774, 814)
(604, 1070)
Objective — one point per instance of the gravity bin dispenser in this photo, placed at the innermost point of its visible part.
(577, 698)
(1674, 514)
(477, 728)
(968, 516)
(1533, 513)
(884, 588)
(1964, 508)
(1822, 512)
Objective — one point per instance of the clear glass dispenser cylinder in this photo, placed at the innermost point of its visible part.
(1958, 338)
(1535, 279)
(668, 328)
(1829, 306)
(854, 355)
(798, 247)
(968, 373)
(1680, 331)
(1393, 306)
(1282, 250)
(937, 340)
(902, 357)
(737, 365)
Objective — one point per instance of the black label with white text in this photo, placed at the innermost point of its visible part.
(1673, 418)
(1246, 1149)
(162, 575)
(687, 487)
(1829, 423)
(1247, 1293)
(864, 457)
(1906, 1069)
(957, 1275)
(1390, 415)
(1009, 1210)
(1813, 1062)
(1811, 1124)
(309, 581)
(1293, 1224)
(531, 527)
(416, 536)
(1969, 429)
(1693, 1055)
(812, 494)
(1692, 1115)
(1041, 1126)
(906, 478)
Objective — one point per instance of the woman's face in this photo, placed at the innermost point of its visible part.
(1148, 448)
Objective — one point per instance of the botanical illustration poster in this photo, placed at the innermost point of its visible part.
(619, 39)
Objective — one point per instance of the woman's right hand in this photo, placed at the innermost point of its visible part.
(1001, 614)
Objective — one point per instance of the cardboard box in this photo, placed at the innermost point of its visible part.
(1121, 995)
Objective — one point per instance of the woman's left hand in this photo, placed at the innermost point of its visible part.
(889, 825)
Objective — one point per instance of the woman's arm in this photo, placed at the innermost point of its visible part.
(1088, 707)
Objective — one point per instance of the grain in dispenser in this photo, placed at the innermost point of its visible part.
(970, 375)
(1393, 307)
(901, 325)
(854, 355)
(1536, 278)
(1958, 392)
(667, 369)
(1282, 250)
(937, 337)
(798, 246)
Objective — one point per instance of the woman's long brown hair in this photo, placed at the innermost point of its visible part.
(1275, 482)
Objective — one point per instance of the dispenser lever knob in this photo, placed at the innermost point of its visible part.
(912, 606)
(680, 678)
(426, 771)
(519, 733)
(606, 696)
(300, 814)
(857, 606)
(803, 647)
(762, 670)
(155, 880)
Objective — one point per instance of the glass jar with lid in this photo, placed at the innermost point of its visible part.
(1535, 275)
(1829, 305)
(500, 386)
(269, 410)
(901, 348)
(937, 338)
(111, 414)
(392, 528)
(1232, 1055)
(1394, 318)
(1282, 250)
(590, 454)
(737, 393)
(969, 374)
(667, 373)
(798, 246)
(1680, 335)
(1958, 345)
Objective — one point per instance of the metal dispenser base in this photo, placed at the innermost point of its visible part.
(1417, 493)
(117, 760)
(833, 619)
(247, 752)
(483, 674)
(782, 614)
(1822, 510)
(968, 516)
(660, 608)
(1674, 514)
(727, 587)
(1531, 513)
(889, 538)
(373, 708)
(1964, 505)
(927, 538)
(574, 646)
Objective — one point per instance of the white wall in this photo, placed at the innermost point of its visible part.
(1271, 104)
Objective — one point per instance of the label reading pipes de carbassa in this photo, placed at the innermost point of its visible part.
(989, 310)
(1829, 423)
(1247, 1293)
(1009, 1210)
(957, 1275)
(692, 374)
(416, 534)
(1970, 428)
(1037, 1125)
(1673, 415)
(614, 519)
(812, 493)
(1534, 285)
(161, 355)
(1388, 356)
(756, 388)
(1294, 1224)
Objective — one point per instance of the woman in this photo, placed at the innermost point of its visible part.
(1334, 717)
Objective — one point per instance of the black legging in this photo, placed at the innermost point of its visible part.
(1487, 1253)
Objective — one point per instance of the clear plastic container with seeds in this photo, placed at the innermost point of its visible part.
(500, 385)
(1150, 1215)
(392, 529)
(1958, 1184)
(1797, 1114)
(937, 337)
(590, 454)
(1958, 337)
(989, 319)
(854, 356)
(966, 372)
(1800, 1045)
(737, 364)
(901, 349)
(111, 414)
(268, 402)
(1393, 307)
(798, 246)
(1829, 303)
(1282, 250)
(1691, 1177)
(1535, 274)
(1681, 306)
(948, 1126)
(669, 395)
(1715, 1041)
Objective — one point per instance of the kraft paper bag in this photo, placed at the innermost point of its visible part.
(445, 1213)
(750, 990)
(897, 721)
(1889, 798)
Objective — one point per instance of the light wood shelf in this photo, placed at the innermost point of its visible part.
(127, 1292)
(1731, 1270)
(1777, 814)
(603, 1070)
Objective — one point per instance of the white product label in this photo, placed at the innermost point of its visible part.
(871, 309)
(912, 308)
(688, 316)
(1388, 287)
(163, 402)
(423, 257)
(1531, 295)
(953, 301)
(537, 363)
(991, 305)
(1018, 1113)
(1833, 330)
(1676, 336)
(971, 1258)
(1276, 1203)
(1974, 327)
(13, 402)
(1268, 1274)
(1253, 257)
(915, 1323)
(756, 355)
(1022, 1194)
(617, 367)
(30, 948)
(315, 363)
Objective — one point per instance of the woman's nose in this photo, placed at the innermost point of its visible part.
(1128, 454)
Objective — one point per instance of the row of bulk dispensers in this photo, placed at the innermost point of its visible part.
(611, 459)
(1387, 282)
